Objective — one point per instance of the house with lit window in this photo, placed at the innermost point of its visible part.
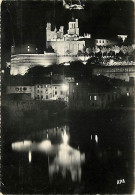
(104, 42)
(86, 95)
(45, 92)
(51, 92)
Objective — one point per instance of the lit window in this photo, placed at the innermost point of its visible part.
(127, 94)
(28, 50)
(95, 97)
(28, 47)
(90, 97)
(46, 86)
(76, 83)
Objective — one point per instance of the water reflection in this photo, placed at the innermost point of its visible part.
(94, 138)
(66, 159)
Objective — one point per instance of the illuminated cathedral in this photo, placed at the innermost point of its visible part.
(66, 44)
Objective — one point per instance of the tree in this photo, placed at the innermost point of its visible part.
(103, 50)
(116, 49)
(124, 49)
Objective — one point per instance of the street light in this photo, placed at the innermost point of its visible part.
(64, 87)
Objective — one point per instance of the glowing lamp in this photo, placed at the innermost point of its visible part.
(64, 87)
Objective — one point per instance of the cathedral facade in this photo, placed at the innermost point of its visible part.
(65, 44)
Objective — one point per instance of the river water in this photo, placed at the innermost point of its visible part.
(88, 153)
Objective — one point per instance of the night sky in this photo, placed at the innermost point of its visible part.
(25, 22)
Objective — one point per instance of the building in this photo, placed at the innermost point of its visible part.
(46, 92)
(104, 42)
(23, 92)
(51, 92)
(20, 63)
(66, 44)
(87, 96)
(118, 72)
(60, 48)
(122, 37)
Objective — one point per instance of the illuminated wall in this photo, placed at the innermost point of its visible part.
(42, 91)
(21, 90)
(118, 72)
(20, 63)
(67, 47)
(51, 92)
(104, 42)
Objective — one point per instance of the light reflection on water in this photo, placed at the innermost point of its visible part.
(65, 158)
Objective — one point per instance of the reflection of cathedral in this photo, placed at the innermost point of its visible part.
(65, 44)
(62, 158)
